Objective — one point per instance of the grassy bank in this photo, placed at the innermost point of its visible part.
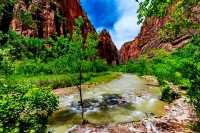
(64, 80)
(103, 77)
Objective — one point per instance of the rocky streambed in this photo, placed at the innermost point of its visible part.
(126, 99)
(178, 118)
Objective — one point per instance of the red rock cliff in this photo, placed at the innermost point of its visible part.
(107, 48)
(149, 36)
(72, 10)
(52, 17)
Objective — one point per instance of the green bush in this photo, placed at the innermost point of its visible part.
(32, 67)
(98, 65)
(24, 108)
(191, 71)
(168, 94)
(163, 71)
(6, 64)
(141, 66)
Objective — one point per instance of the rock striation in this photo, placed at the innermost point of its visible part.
(48, 18)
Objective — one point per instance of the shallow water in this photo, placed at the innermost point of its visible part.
(129, 98)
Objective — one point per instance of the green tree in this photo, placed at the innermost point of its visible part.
(82, 50)
(6, 64)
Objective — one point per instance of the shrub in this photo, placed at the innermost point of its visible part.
(168, 94)
(24, 108)
(141, 66)
(194, 92)
(163, 71)
(6, 65)
(99, 65)
(32, 67)
(185, 84)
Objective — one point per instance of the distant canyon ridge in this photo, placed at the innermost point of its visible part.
(59, 17)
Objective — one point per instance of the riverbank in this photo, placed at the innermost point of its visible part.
(100, 78)
(55, 81)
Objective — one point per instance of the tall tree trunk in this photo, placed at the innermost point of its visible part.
(80, 92)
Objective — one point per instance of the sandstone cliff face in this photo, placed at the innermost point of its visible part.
(129, 50)
(72, 10)
(149, 36)
(42, 22)
(107, 48)
(49, 18)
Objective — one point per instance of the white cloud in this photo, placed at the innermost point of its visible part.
(126, 28)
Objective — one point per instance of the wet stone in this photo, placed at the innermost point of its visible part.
(88, 104)
(106, 101)
(112, 99)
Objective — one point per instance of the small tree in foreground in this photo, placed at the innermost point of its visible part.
(82, 51)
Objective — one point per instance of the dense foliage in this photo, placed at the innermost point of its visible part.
(34, 56)
(24, 108)
(159, 8)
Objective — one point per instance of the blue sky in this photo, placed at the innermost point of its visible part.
(117, 16)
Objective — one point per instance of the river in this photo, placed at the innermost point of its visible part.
(128, 98)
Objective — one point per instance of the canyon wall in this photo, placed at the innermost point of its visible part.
(49, 18)
(149, 36)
